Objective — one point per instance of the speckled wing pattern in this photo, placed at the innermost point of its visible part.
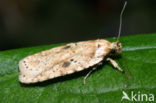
(62, 60)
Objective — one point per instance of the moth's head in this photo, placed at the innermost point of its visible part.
(116, 47)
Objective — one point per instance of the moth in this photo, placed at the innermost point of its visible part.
(68, 59)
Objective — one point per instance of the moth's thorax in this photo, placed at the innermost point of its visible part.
(102, 48)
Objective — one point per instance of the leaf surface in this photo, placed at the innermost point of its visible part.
(105, 85)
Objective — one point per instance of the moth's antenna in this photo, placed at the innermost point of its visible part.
(121, 19)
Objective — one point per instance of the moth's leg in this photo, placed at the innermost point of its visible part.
(114, 63)
(84, 80)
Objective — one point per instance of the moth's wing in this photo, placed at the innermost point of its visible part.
(58, 61)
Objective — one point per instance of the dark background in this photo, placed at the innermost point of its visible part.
(26, 23)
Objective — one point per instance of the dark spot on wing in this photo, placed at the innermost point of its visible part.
(99, 45)
(67, 47)
(71, 59)
(66, 64)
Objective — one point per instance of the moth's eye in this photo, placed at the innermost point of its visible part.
(113, 51)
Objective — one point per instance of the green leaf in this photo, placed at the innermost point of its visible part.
(105, 85)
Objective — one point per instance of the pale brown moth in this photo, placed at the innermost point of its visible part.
(69, 59)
